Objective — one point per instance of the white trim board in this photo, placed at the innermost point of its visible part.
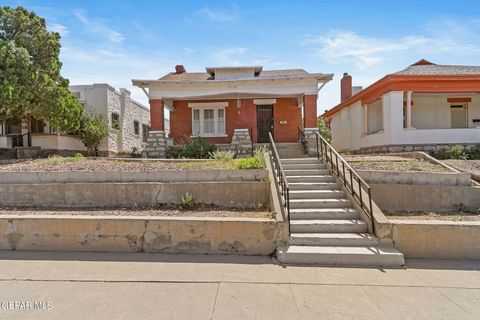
(264, 101)
(209, 105)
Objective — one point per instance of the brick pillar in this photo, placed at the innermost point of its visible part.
(157, 119)
(310, 111)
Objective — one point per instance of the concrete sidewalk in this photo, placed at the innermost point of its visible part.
(154, 286)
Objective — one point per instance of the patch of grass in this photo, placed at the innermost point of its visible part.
(53, 160)
(270, 215)
(206, 165)
(249, 163)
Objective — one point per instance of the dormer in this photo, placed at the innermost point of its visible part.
(234, 73)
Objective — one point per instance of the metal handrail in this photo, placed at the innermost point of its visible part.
(302, 139)
(327, 153)
(251, 140)
(19, 137)
(281, 179)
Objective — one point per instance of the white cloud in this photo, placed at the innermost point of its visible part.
(98, 27)
(188, 51)
(348, 47)
(218, 15)
(56, 27)
(229, 56)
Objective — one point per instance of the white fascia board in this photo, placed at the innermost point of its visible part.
(264, 101)
(211, 105)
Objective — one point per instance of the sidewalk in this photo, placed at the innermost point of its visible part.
(153, 286)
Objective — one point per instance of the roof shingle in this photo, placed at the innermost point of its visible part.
(199, 76)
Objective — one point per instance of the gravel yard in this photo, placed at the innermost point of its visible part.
(443, 216)
(160, 211)
(392, 163)
(82, 164)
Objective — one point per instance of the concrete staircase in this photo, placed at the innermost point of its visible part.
(325, 228)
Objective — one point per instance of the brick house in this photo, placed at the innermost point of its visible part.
(423, 107)
(215, 103)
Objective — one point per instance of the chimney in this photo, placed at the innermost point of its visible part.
(345, 87)
(179, 68)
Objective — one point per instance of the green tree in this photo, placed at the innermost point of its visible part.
(93, 128)
(323, 129)
(30, 80)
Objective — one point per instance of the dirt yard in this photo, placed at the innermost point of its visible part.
(392, 163)
(443, 216)
(160, 211)
(472, 166)
(83, 164)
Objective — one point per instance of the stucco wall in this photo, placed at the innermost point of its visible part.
(58, 142)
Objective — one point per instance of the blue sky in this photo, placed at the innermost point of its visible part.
(115, 41)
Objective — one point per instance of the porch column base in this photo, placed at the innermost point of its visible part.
(311, 140)
(156, 145)
(242, 143)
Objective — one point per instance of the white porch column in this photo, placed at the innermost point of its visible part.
(392, 108)
(409, 109)
(365, 119)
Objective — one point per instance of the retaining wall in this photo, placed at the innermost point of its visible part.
(229, 194)
(149, 176)
(248, 236)
(416, 178)
(437, 239)
(394, 197)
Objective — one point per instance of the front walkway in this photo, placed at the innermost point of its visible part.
(150, 286)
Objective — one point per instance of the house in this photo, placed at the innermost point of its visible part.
(226, 101)
(423, 107)
(129, 123)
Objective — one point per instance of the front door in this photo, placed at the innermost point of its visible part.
(264, 122)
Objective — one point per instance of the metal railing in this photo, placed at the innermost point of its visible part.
(280, 177)
(302, 139)
(17, 139)
(251, 141)
(355, 185)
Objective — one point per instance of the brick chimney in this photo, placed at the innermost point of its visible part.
(345, 87)
(179, 68)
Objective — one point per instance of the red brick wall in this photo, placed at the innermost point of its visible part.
(286, 109)
(157, 121)
(244, 117)
(310, 114)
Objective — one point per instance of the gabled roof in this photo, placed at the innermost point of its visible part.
(196, 76)
(421, 76)
(424, 67)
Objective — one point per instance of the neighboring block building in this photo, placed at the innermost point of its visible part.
(221, 101)
(129, 123)
(423, 107)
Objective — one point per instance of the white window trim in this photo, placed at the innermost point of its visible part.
(207, 106)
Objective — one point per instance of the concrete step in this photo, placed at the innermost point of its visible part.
(313, 185)
(328, 226)
(319, 203)
(289, 155)
(304, 166)
(312, 178)
(329, 214)
(316, 194)
(341, 256)
(333, 239)
(302, 160)
(306, 172)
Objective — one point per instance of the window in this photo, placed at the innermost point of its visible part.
(145, 130)
(37, 126)
(136, 127)
(208, 122)
(115, 121)
(459, 116)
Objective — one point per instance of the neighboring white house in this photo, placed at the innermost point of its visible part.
(129, 123)
(423, 107)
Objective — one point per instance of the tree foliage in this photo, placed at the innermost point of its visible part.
(324, 131)
(30, 80)
(93, 128)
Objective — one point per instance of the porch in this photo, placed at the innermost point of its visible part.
(415, 118)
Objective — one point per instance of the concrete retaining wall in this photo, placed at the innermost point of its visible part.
(437, 239)
(247, 236)
(393, 197)
(157, 176)
(230, 194)
(416, 178)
